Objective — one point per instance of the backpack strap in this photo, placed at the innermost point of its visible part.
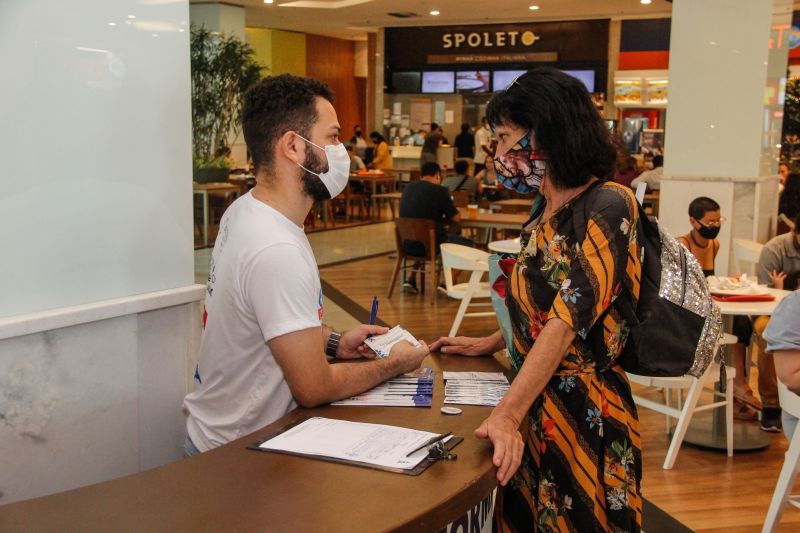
(461, 183)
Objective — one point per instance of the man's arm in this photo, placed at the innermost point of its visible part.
(313, 381)
(787, 367)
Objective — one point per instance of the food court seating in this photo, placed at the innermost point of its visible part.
(416, 240)
(458, 257)
(790, 402)
(688, 408)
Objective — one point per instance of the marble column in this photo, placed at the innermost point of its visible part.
(727, 76)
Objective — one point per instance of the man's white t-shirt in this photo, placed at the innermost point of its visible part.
(482, 138)
(263, 283)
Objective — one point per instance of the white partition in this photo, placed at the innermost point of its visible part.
(95, 147)
(100, 319)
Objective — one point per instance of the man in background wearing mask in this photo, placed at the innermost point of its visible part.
(264, 346)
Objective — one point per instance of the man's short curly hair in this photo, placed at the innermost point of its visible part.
(275, 105)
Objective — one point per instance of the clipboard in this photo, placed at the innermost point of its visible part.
(417, 470)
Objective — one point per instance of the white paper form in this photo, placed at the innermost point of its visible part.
(374, 444)
(382, 344)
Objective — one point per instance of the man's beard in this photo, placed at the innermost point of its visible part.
(312, 184)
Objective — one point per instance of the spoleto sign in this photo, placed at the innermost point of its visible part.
(488, 39)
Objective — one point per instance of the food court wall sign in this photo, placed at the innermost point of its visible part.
(497, 43)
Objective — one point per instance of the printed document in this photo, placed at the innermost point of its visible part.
(373, 444)
(382, 344)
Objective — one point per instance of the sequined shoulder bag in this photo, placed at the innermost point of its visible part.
(674, 324)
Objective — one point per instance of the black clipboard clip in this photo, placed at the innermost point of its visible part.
(440, 452)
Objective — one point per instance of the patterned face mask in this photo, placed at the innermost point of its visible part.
(521, 168)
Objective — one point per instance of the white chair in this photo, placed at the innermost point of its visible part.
(745, 255)
(455, 256)
(690, 406)
(790, 402)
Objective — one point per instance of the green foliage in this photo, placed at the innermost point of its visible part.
(223, 68)
(216, 162)
(791, 109)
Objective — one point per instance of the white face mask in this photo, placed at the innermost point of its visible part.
(335, 179)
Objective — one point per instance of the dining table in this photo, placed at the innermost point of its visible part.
(372, 180)
(212, 189)
(490, 221)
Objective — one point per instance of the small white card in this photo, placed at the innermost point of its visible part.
(382, 344)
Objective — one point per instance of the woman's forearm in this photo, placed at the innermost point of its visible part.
(540, 365)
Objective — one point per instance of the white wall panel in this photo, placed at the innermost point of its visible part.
(95, 147)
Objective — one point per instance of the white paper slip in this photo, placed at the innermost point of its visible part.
(382, 344)
(372, 444)
(475, 376)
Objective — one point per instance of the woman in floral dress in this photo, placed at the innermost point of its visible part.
(566, 435)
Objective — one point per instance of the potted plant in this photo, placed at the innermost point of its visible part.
(223, 68)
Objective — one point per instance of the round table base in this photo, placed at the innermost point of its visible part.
(707, 430)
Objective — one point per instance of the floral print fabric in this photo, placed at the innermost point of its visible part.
(581, 469)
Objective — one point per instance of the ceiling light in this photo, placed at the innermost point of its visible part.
(533, 8)
(268, 1)
(435, 12)
(131, 16)
(646, 2)
(112, 23)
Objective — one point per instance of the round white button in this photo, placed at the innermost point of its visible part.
(451, 410)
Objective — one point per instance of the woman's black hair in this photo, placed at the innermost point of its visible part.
(375, 135)
(566, 124)
(789, 203)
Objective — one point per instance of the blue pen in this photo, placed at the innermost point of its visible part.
(374, 314)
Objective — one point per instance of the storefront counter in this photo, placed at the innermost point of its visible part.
(232, 488)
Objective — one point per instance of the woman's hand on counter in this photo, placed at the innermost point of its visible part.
(471, 346)
(503, 432)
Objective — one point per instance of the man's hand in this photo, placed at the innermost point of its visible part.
(407, 356)
(351, 345)
(777, 279)
(503, 432)
(467, 345)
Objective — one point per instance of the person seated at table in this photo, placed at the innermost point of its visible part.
(416, 139)
(782, 336)
(651, 177)
(264, 346)
(489, 187)
(778, 266)
(358, 142)
(462, 181)
(381, 158)
(356, 163)
(627, 170)
(427, 198)
(705, 218)
(430, 146)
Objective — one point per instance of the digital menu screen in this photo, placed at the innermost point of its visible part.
(405, 82)
(438, 82)
(586, 76)
(472, 81)
(501, 79)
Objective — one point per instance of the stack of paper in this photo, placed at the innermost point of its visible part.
(474, 388)
(414, 389)
(382, 344)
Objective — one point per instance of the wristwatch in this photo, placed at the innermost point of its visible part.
(333, 343)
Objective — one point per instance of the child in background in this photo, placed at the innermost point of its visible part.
(706, 219)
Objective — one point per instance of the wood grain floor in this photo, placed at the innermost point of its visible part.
(707, 491)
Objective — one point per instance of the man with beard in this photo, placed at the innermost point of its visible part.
(264, 346)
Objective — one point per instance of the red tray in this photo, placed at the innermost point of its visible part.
(745, 298)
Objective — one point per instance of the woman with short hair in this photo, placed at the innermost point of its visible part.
(566, 435)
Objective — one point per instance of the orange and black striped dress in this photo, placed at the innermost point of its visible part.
(582, 465)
